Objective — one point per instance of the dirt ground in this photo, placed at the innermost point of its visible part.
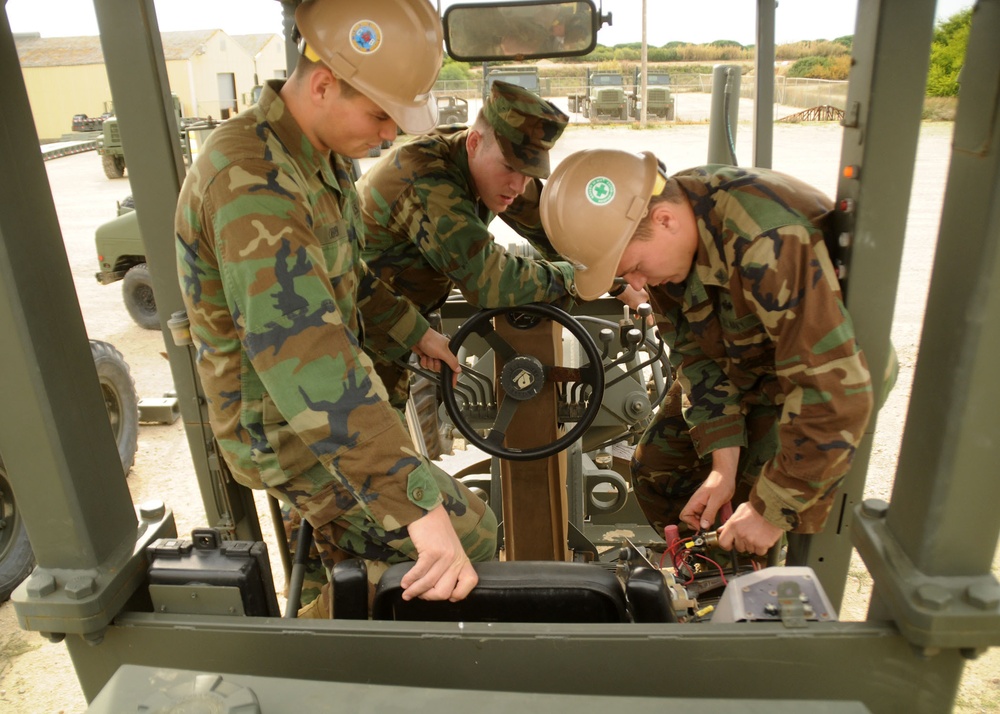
(37, 677)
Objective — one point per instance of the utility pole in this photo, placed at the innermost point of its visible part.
(644, 65)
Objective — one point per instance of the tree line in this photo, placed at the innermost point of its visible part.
(816, 59)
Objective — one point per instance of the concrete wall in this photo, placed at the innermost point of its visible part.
(57, 93)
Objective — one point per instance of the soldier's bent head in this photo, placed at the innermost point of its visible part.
(524, 125)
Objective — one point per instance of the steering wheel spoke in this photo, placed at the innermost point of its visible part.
(505, 415)
(500, 346)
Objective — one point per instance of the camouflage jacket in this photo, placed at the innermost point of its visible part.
(268, 258)
(760, 320)
(426, 231)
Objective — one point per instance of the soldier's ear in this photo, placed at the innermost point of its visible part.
(473, 142)
(662, 216)
(322, 83)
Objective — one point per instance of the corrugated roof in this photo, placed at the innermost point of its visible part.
(254, 43)
(35, 51)
(183, 45)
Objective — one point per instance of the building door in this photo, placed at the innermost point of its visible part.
(227, 94)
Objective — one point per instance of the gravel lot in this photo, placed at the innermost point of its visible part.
(36, 677)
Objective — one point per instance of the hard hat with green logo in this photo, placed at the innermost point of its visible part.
(389, 50)
(590, 207)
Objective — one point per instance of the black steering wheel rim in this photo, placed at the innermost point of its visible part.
(493, 443)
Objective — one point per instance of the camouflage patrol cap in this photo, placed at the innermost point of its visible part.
(526, 127)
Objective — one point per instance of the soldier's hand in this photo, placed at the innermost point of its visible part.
(432, 349)
(717, 490)
(443, 570)
(748, 532)
(634, 298)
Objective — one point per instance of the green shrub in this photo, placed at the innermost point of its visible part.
(821, 67)
(951, 38)
(452, 70)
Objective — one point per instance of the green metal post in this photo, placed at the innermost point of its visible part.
(763, 76)
(881, 127)
(137, 73)
(55, 438)
(940, 530)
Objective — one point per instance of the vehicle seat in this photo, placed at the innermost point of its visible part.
(520, 591)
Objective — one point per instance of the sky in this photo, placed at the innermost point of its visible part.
(666, 20)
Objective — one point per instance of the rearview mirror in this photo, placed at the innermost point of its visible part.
(520, 31)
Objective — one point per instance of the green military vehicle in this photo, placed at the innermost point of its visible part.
(605, 99)
(523, 76)
(112, 153)
(659, 99)
(618, 632)
(452, 110)
(122, 256)
(109, 148)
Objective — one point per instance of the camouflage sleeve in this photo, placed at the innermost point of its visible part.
(288, 279)
(455, 242)
(525, 218)
(711, 403)
(392, 323)
(822, 374)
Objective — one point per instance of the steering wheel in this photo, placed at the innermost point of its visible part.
(521, 380)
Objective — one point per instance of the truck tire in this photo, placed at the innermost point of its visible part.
(120, 398)
(114, 166)
(16, 556)
(137, 291)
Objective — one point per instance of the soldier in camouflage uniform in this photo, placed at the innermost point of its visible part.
(280, 303)
(773, 393)
(427, 207)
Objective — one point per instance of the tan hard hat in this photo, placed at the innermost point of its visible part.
(590, 208)
(389, 50)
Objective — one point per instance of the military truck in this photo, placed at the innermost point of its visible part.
(522, 75)
(112, 153)
(122, 256)
(606, 97)
(452, 110)
(659, 99)
(138, 639)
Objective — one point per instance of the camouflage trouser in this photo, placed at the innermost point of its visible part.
(666, 469)
(354, 533)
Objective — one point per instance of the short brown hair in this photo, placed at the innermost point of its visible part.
(483, 127)
(305, 66)
(671, 193)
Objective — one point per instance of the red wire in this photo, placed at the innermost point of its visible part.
(672, 550)
(721, 571)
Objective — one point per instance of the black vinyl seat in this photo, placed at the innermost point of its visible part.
(521, 591)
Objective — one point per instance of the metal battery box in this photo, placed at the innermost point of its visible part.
(211, 576)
